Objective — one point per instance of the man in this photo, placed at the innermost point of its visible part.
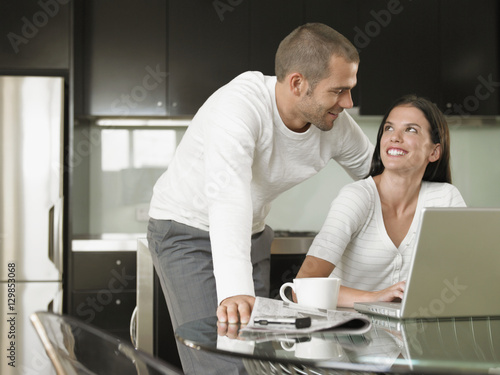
(253, 139)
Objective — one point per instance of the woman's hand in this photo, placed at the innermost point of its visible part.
(394, 292)
(347, 296)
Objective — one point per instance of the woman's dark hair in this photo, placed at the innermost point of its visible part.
(438, 171)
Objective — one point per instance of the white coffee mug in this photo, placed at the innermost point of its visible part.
(319, 292)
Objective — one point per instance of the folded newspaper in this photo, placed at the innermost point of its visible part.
(275, 316)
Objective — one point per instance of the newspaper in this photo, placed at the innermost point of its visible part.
(346, 322)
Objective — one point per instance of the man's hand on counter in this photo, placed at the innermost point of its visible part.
(236, 309)
(229, 330)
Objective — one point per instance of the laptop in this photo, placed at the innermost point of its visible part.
(455, 269)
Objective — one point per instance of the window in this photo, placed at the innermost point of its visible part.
(137, 148)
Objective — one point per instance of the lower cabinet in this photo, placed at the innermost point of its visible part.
(284, 268)
(109, 311)
(103, 290)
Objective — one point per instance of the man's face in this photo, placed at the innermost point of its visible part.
(322, 105)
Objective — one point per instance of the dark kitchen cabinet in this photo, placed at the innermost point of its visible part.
(284, 268)
(444, 50)
(268, 27)
(103, 289)
(399, 51)
(207, 47)
(216, 41)
(470, 76)
(36, 35)
(204, 46)
(159, 58)
(120, 58)
(114, 317)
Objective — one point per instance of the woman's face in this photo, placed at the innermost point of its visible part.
(406, 145)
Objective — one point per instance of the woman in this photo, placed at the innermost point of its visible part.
(368, 237)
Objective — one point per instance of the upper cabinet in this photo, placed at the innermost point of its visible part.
(36, 35)
(399, 52)
(211, 42)
(269, 24)
(207, 47)
(216, 41)
(165, 58)
(120, 58)
(469, 61)
(444, 50)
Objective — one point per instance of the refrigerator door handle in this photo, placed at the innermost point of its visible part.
(51, 232)
(55, 234)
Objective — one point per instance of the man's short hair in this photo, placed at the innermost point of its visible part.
(308, 50)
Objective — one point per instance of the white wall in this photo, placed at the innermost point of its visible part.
(111, 206)
(475, 161)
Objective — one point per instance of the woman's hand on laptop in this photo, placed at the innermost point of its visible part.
(347, 296)
(393, 293)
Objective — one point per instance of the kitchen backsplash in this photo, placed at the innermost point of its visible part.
(114, 170)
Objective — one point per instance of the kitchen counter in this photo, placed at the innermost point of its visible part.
(284, 242)
(107, 242)
(291, 244)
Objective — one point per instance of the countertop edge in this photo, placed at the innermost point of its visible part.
(128, 242)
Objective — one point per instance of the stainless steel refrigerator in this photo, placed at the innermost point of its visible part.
(31, 193)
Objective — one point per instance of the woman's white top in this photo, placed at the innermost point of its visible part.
(355, 240)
